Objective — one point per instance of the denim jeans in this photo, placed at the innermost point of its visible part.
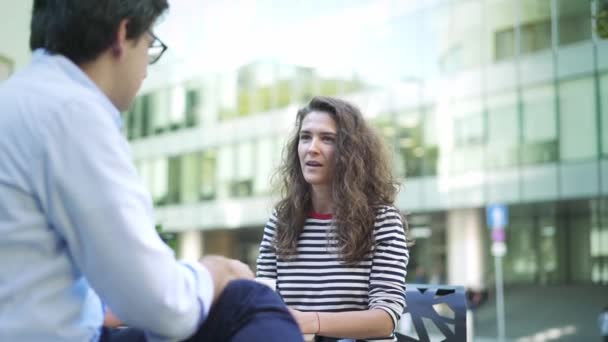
(245, 312)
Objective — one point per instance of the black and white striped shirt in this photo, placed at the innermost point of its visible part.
(315, 279)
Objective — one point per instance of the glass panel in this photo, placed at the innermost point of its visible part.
(409, 143)
(604, 106)
(574, 21)
(500, 29)
(503, 131)
(159, 107)
(227, 84)
(208, 176)
(539, 125)
(535, 25)
(225, 170)
(160, 186)
(431, 142)
(174, 180)
(145, 112)
(193, 107)
(580, 221)
(190, 178)
(264, 166)
(468, 135)
(521, 264)
(242, 185)
(177, 108)
(578, 130)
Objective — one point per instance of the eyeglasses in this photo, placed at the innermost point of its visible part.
(156, 49)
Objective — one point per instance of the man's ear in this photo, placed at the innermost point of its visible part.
(120, 41)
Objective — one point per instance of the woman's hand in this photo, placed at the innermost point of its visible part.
(308, 321)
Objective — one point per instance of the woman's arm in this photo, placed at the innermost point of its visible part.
(349, 324)
(266, 264)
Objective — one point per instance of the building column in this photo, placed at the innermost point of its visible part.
(190, 245)
(465, 254)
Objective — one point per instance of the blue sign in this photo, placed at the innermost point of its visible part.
(497, 216)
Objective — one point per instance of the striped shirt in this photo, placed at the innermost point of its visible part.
(315, 279)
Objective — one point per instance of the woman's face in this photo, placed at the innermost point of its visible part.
(317, 148)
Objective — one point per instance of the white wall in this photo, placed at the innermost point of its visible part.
(15, 30)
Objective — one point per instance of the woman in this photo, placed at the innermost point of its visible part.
(335, 243)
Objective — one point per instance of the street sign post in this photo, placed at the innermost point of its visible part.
(498, 218)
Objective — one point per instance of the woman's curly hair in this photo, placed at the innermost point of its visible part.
(363, 181)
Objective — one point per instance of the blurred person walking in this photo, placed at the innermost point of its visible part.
(602, 321)
(76, 223)
(335, 243)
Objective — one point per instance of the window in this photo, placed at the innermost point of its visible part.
(208, 176)
(192, 107)
(409, 143)
(503, 131)
(189, 178)
(264, 166)
(604, 106)
(535, 25)
(539, 125)
(145, 111)
(225, 169)
(160, 181)
(468, 137)
(160, 111)
(504, 44)
(227, 85)
(574, 21)
(430, 141)
(578, 126)
(177, 108)
(175, 169)
(535, 36)
(242, 185)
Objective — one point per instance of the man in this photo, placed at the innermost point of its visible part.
(76, 225)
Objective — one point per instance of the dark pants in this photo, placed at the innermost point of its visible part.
(245, 312)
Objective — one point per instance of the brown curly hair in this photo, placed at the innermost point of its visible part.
(364, 181)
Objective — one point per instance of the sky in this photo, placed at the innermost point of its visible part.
(375, 38)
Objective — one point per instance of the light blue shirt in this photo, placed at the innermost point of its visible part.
(76, 222)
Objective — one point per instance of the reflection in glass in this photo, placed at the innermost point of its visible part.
(208, 176)
(503, 131)
(574, 21)
(578, 132)
(539, 125)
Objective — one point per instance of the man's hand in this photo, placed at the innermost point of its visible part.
(223, 271)
(110, 320)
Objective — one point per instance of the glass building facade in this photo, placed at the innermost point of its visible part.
(482, 101)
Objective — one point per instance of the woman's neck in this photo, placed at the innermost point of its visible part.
(322, 200)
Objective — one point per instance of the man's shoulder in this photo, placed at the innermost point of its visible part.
(43, 93)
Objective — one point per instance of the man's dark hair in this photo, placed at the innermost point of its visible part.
(82, 29)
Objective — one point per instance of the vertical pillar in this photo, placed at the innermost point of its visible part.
(465, 254)
(190, 245)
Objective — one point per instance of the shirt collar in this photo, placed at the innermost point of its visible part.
(77, 75)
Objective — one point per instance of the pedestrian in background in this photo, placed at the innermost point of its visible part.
(602, 321)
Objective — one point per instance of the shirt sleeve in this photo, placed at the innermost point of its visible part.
(94, 199)
(389, 264)
(266, 265)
